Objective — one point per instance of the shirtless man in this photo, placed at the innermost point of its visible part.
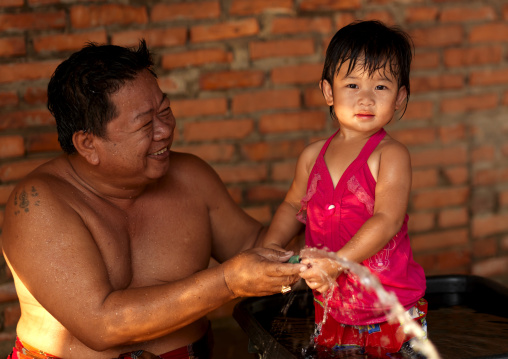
(109, 244)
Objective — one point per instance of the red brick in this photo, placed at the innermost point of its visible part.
(424, 178)
(489, 77)
(23, 119)
(440, 197)
(491, 32)
(503, 200)
(266, 100)
(445, 262)
(297, 74)
(12, 46)
(439, 156)
(16, 170)
(236, 193)
(175, 36)
(8, 98)
(27, 71)
(67, 42)
(11, 146)
(283, 171)
(210, 152)
(185, 11)
(199, 107)
(32, 21)
(421, 14)
(12, 3)
(108, 14)
(313, 97)
(467, 14)
(342, 19)
(421, 222)
(489, 176)
(324, 5)
(415, 136)
(491, 267)
(47, 2)
(504, 243)
(11, 315)
(231, 79)
(292, 121)
(384, 16)
(472, 56)
(437, 36)
(290, 25)
(432, 83)
(261, 213)
(419, 110)
(453, 217)
(490, 224)
(36, 95)
(5, 192)
(195, 58)
(43, 142)
(281, 48)
(440, 239)
(426, 60)
(224, 31)
(505, 98)
(263, 193)
(485, 247)
(273, 150)
(170, 85)
(255, 7)
(214, 130)
(483, 153)
(242, 173)
(8, 292)
(452, 133)
(456, 175)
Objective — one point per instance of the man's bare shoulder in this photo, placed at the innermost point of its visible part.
(190, 168)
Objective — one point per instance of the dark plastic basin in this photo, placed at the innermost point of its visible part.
(468, 318)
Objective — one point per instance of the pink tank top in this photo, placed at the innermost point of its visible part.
(334, 215)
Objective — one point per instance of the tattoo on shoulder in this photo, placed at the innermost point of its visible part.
(23, 200)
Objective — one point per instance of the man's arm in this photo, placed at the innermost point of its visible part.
(55, 256)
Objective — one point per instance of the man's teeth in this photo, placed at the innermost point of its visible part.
(160, 152)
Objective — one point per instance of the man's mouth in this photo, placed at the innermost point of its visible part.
(159, 152)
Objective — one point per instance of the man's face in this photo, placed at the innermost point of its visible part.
(137, 142)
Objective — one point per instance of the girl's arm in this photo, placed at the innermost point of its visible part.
(392, 197)
(284, 225)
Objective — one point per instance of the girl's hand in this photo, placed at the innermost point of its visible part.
(321, 273)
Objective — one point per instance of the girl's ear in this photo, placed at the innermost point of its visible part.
(84, 142)
(401, 97)
(326, 89)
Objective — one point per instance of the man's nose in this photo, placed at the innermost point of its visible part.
(163, 129)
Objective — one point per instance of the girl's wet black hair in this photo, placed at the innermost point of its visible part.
(79, 90)
(374, 46)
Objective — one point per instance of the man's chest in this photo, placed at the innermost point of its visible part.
(154, 244)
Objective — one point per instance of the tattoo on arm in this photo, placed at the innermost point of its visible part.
(23, 200)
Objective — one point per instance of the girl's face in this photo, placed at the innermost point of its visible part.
(363, 103)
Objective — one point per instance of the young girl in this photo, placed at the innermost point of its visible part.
(352, 192)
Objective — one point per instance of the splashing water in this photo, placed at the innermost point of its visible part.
(395, 312)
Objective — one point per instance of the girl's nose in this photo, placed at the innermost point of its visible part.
(365, 98)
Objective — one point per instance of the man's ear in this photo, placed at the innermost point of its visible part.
(401, 97)
(326, 89)
(84, 142)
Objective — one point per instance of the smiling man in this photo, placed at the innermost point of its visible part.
(109, 244)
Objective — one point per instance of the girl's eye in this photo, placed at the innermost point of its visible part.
(381, 87)
(351, 86)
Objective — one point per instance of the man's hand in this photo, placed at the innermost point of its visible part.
(259, 272)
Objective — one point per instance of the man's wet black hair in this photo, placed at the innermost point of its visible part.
(79, 90)
(376, 46)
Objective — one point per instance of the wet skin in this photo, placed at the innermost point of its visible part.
(110, 247)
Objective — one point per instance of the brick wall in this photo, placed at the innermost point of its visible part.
(242, 76)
